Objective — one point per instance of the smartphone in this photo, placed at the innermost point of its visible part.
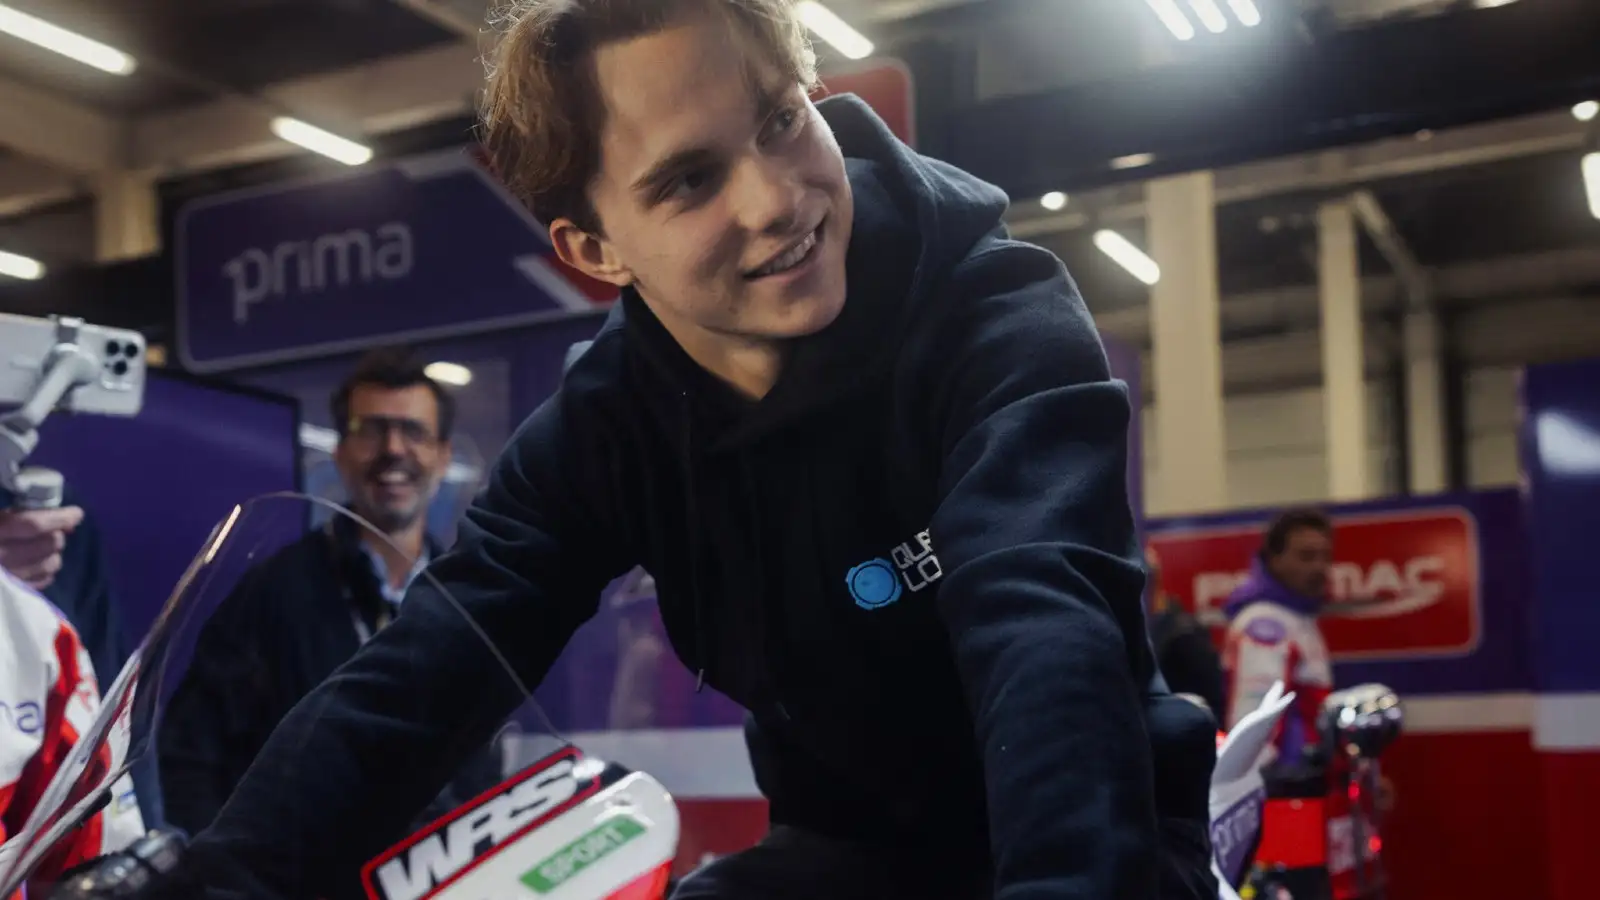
(28, 344)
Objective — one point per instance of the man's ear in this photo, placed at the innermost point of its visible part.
(591, 255)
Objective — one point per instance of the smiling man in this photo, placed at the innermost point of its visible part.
(871, 452)
(306, 609)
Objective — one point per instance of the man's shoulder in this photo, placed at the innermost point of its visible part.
(283, 576)
(1264, 622)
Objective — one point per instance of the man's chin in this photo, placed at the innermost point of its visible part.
(806, 317)
(389, 520)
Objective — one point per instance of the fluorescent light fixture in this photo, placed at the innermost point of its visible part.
(1586, 111)
(1490, 4)
(1172, 17)
(449, 373)
(1055, 200)
(1591, 181)
(1246, 12)
(1133, 161)
(1209, 15)
(836, 31)
(18, 266)
(319, 141)
(70, 44)
(1125, 254)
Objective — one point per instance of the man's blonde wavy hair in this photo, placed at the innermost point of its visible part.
(541, 110)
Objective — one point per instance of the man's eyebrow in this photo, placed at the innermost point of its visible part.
(675, 162)
(769, 99)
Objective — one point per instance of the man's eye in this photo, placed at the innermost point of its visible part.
(784, 122)
(687, 185)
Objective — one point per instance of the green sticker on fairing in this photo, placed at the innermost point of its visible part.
(563, 865)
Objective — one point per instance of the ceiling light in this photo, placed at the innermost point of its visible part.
(319, 141)
(1490, 4)
(17, 266)
(1125, 254)
(1172, 17)
(69, 44)
(1586, 110)
(449, 373)
(1053, 201)
(1591, 181)
(1246, 12)
(1209, 15)
(836, 31)
(1133, 161)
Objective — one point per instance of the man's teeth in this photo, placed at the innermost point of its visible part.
(393, 478)
(791, 259)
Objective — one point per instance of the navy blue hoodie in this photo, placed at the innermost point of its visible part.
(913, 561)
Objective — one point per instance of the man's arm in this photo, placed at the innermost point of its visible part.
(364, 752)
(1259, 654)
(1043, 579)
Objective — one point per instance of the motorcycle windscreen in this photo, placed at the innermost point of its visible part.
(203, 661)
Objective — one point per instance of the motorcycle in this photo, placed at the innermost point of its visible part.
(560, 824)
(1311, 831)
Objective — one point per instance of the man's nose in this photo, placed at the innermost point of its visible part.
(767, 196)
(394, 442)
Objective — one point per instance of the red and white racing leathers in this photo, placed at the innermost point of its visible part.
(48, 697)
(1270, 642)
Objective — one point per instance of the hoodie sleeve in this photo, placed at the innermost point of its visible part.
(367, 750)
(1042, 590)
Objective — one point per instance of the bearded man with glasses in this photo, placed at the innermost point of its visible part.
(306, 609)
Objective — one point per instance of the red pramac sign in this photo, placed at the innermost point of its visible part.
(1406, 584)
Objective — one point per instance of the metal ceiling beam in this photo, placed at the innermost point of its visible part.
(1413, 276)
(27, 185)
(1552, 273)
(1334, 171)
(52, 129)
(385, 96)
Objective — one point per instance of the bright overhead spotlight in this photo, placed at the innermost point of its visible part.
(1125, 254)
(319, 141)
(1133, 161)
(1586, 111)
(70, 44)
(1246, 12)
(1053, 201)
(1172, 17)
(450, 373)
(17, 266)
(836, 31)
(1209, 15)
(1591, 181)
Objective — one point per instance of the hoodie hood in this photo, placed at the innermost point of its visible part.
(1261, 587)
(915, 219)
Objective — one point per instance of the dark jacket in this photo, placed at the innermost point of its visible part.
(1188, 658)
(288, 624)
(913, 562)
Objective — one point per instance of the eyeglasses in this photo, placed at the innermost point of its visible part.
(374, 431)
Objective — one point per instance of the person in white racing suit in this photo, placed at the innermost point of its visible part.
(48, 696)
(1272, 630)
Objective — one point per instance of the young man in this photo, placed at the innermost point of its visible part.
(871, 453)
(1272, 629)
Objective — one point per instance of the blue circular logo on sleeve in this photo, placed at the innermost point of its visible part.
(874, 584)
